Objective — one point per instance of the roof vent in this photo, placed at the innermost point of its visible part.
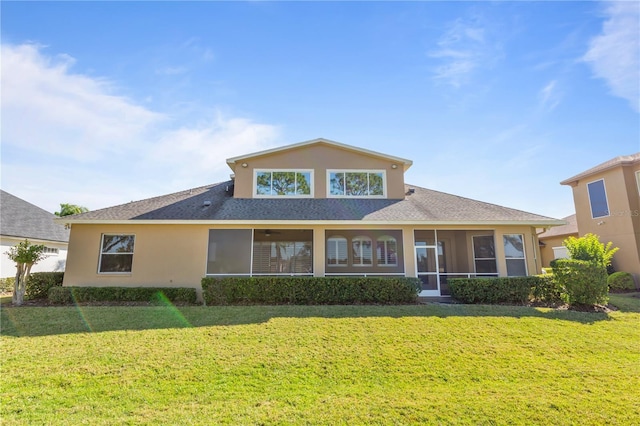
(206, 203)
(412, 190)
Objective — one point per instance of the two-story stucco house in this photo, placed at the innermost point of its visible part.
(314, 208)
(607, 201)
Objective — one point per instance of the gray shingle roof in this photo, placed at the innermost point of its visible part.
(571, 227)
(423, 205)
(21, 219)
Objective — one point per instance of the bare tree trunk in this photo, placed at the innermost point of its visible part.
(18, 296)
(20, 286)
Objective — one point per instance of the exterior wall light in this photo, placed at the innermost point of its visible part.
(244, 165)
(394, 166)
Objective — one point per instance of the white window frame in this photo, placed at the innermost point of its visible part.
(51, 251)
(473, 248)
(638, 180)
(101, 254)
(381, 171)
(385, 239)
(523, 258)
(606, 199)
(361, 239)
(255, 183)
(335, 240)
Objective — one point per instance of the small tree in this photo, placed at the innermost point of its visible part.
(69, 209)
(25, 255)
(590, 248)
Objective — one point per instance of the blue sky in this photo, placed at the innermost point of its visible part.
(108, 102)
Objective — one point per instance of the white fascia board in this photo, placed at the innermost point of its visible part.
(538, 223)
(32, 240)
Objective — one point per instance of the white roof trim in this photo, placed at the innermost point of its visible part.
(404, 161)
(550, 222)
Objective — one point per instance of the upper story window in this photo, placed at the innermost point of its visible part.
(356, 183)
(283, 183)
(598, 199)
(638, 180)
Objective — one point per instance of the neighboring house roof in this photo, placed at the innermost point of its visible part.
(216, 203)
(622, 160)
(406, 163)
(571, 227)
(21, 219)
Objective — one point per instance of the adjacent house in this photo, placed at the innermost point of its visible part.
(551, 240)
(316, 208)
(20, 220)
(607, 201)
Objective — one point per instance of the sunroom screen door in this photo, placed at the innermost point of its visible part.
(427, 270)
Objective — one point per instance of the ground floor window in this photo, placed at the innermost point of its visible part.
(484, 254)
(116, 254)
(514, 254)
(285, 251)
(260, 251)
(337, 251)
(229, 252)
(364, 251)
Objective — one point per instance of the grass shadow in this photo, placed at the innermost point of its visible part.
(44, 321)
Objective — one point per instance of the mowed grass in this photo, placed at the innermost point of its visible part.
(428, 364)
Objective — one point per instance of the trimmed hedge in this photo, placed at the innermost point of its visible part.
(546, 289)
(7, 284)
(39, 284)
(518, 290)
(585, 282)
(621, 281)
(309, 290)
(492, 290)
(65, 295)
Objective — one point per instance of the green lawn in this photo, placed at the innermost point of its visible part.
(433, 364)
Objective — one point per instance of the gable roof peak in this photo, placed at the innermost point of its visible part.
(405, 163)
(621, 160)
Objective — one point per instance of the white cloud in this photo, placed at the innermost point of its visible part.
(69, 138)
(614, 55)
(47, 108)
(462, 50)
(201, 151)
(172, 70)
(549, 96)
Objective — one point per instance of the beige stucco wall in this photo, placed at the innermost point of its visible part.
(318, 158)
(176, 255)
(622, 226)
(546, 252)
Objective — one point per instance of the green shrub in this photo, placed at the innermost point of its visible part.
(62, 295)
(7, 284)
(492, 290)
(621, 281)
(547, 289)
(39, 283)
(585, 282)
(309, 290)
(589, 248)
